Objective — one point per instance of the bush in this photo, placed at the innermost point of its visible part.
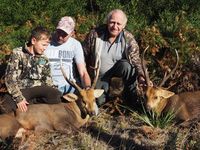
(177, 22)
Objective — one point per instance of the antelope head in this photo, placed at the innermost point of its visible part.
(87, 98)
(156, 96)
(157, 99)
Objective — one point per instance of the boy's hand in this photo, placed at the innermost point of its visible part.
(23, 106)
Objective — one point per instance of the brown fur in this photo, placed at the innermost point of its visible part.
(185, 105)
(42, 117)
(49, 117)
(8, 125)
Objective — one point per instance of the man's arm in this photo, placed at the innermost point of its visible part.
(81, 66)
(134, 58)
(133, 53)
(85, 78)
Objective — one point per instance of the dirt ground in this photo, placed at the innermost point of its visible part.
(113, 132)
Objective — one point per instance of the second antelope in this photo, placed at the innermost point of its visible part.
(186, 105)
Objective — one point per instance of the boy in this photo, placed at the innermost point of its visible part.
(28, 78)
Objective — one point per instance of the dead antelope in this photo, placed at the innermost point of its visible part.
(186, 106)
(46, 117)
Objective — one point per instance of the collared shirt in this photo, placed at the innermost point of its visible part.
(111, 53)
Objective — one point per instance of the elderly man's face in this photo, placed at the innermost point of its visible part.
(116, 24)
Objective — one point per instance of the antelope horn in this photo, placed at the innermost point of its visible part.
(172, 72)
(97, 75)
(72, 83)
(145, 68)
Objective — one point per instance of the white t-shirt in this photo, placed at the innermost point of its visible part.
(69, 53)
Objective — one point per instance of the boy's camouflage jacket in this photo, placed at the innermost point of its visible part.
(24, 71)
(131, 48)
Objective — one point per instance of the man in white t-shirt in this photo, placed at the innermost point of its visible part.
(64, 48)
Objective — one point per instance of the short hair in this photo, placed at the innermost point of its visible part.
(38, 33)
(114, 11)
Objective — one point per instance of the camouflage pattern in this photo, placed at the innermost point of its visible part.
(129, 42)
(25, 71)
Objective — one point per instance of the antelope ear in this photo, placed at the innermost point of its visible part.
(98, 92)
(165, 93)
(71, 97)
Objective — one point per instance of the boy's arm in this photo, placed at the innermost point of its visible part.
(12, 75)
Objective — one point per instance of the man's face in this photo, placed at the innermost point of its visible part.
(116, 24)
(39, 46)
(62, 37)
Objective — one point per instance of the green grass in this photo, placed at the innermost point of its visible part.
(152, 119)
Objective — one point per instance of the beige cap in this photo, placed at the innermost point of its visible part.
(66, 24)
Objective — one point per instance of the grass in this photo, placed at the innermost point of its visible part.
(114, 133)
(152, 119)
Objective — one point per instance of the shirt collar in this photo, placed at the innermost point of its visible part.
(119, 37)
(25, 49)
(117, 40)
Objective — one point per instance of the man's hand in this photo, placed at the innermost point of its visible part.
(142, 82)
(23, 105)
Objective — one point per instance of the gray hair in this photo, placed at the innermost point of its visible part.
(114, 11)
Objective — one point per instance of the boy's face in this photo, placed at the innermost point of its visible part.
(39, 46)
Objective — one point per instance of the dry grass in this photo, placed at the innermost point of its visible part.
(113, 132)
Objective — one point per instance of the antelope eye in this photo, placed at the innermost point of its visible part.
(155, 97)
